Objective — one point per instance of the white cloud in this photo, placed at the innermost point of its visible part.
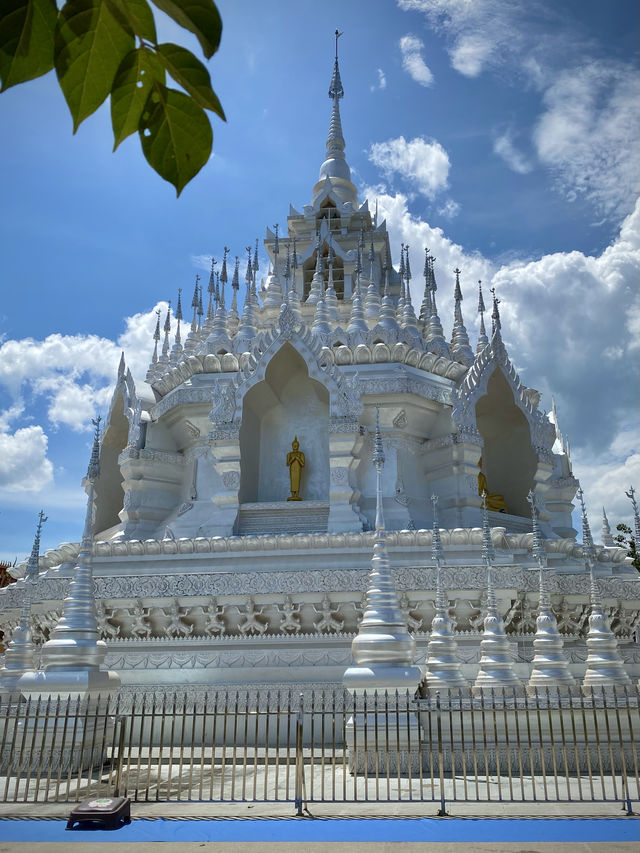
(589, 122)
(75, 374)
(504, 147)
(411, 48)
(422, 164)
(382, 81)
(480, 33)
(24, 466)
(588, 134)
(470, 53)
(449, 209)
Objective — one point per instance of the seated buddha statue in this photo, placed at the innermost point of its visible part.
(495, 501)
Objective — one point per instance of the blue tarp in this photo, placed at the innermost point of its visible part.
(301, 829)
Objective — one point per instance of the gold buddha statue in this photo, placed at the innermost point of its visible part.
(495, 501)
(295, 463)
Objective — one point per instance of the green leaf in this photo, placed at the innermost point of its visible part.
(26, 39)
(200, 17)
(133, 82)
(89, 46)
(175, 135)
(191, 74)
(136, 15)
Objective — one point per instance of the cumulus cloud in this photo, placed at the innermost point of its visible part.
(73, 374)
(421, 163)
(588, 132)
(505, 148)
(411, 48)
(24, 466)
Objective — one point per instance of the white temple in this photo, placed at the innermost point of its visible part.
(225, 555)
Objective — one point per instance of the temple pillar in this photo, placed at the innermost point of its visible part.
(344, 443)
(152, 484)
(225, 454)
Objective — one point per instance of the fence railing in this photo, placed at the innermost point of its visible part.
(323, 747)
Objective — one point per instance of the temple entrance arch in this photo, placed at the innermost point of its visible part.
(285, 405)
(509, 461)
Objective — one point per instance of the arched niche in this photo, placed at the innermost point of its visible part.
(287, 403)
(109, 493)
(508, 459)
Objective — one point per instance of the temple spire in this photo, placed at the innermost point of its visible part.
(151, 371)
(434, 336)
(235, 286)
(331, 297)
(607, 538)
(442, 664)
(387, 309)
(211, 290)
(496, 670)
(460, 348)
(20, 651)
(335, 167)
(176, 350)
(73, 655)
(605, 669)
(383, 649)
(483, 340)
(550, 668)
(496, 325)
(425, 307)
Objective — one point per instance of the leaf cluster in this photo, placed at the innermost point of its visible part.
(625, 540)
(109, 48)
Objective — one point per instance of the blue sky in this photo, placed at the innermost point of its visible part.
(501, 134)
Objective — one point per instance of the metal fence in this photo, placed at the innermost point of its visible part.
(324, 747)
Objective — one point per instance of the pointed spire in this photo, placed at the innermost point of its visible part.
(19, 655)
(434, 337)
(605, 669)
(151, 371)
(387, 309)
(401, 298)
(219, 330)
(550, 668)
(72, 657)
(200, 310)
(176, 350)
(331, 297)
(316, 290)
(460, 347)
(276, 249)
(247, 328)
(211, 290)
(607, 538)
(408, 321)
(383, 649)
(163, 361)
(483, 340)
(294, 269)
(233, 318)
(372, 298)
(496, 670)
(495, 315)
(335, 164)
(425, 307)
(442, 664)
(357, 323)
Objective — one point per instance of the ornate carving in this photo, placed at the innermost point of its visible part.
(339, 476)
(400, 421)
(231, 480)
